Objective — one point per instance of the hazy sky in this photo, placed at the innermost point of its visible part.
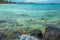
(41, 1)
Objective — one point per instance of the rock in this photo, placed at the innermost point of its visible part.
(36, 33)
(2, 21)
(23, 15)
(58, 37)
(16, 39)
(16, 34)
(51, 33)
(3, 37)
(24, 31)
(30, 20)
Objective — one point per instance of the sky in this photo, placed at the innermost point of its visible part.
(37, 1)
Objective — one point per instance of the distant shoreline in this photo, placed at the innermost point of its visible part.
(25, 3)
(28, 3)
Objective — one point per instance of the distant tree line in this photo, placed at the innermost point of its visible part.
(5, 1)
(10, 2)
(2, 1)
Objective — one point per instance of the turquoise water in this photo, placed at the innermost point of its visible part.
(31, 10)
(21, 13)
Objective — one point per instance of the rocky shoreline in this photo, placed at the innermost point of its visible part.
(50, 32)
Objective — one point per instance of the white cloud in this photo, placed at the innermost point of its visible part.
(36, 0)
(30, 0)
(41, 1)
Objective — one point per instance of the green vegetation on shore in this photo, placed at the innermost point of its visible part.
(9, 2)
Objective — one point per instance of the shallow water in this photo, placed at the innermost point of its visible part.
(21, 13)
(34, 11)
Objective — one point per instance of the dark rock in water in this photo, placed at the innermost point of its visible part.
(0, 36)
(31, 20)
(23, 15)
(36, 33)
(16, 34)
(42, 18)
(51, 33)
(58, 37)
(21, 25)
(3, 37)
(2, 21)
(54, 29)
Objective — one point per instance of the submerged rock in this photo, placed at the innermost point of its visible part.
(16, 34)
(2, 21)
(23, 15)
(3, 36)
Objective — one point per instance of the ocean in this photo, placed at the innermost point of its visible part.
(22, 13)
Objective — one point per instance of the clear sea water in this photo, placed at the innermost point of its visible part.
(23, 12)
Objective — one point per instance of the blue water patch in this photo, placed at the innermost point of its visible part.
(31, 6)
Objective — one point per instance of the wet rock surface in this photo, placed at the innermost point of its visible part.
(2, 21)
(51, 33)
(36, 33)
